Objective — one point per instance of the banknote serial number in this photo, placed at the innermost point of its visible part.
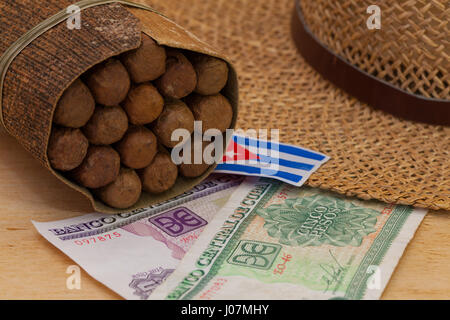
(281, 267)
(98, 239)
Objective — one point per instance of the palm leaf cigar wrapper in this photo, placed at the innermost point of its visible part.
(109, 145)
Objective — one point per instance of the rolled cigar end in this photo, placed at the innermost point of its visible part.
(124, 192)
(100, 167)
(180, 78)
(212, 74)
(144, 104)
(147, 63)
(109, 82)
(75, 107)
(138, 147)
(67, 148)
(108, 125)
(215, 111)
(160, 175)
(176, 115)
(192, 170)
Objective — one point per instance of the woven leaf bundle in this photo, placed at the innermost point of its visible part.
(42, 71)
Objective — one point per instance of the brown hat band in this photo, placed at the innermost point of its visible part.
(365, 87)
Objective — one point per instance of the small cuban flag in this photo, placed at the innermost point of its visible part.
(255, 157)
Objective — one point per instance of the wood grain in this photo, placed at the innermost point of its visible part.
(31, 268)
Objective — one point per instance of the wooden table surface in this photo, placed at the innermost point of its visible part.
(31, 268)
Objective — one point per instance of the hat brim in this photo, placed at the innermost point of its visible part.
(374, 155)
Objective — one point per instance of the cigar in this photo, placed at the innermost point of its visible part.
(176, 115)
(144, 104)
(109, 82)
(124, 192)
(75, 106)
(138, 147)
(215, 111)
(108, 125)
(67, 148)
(180, 78)
(212, 74)
(100, 167)
(147, 63)
(193, 170)
(160, 175)
(108, 110)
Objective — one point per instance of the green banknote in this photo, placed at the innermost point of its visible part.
(276, 241)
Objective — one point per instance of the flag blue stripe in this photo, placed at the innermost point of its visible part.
(252, 170)
(296, 151)
(286, 163)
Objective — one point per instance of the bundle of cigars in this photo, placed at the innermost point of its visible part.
(110, 129)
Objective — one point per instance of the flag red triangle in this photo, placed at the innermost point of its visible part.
(235, 152)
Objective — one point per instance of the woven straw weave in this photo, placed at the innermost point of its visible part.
(410, 51)
(374, 155)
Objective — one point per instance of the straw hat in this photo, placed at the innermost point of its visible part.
(375, 155)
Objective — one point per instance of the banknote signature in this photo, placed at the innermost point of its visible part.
(334, 273)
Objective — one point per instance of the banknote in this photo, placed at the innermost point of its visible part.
(133, 253)
(276, 241)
